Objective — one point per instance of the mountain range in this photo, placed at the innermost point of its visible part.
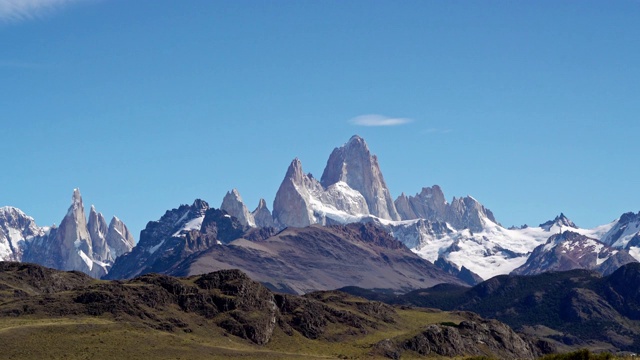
(462, 238)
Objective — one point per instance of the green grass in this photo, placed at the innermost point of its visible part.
(104, 338)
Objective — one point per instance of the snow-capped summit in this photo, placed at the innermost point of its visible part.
(558, 224)
(16, 228)
(354, 165)
(570, 250)
(625, 233)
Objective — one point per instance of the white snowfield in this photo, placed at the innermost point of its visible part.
(494, 251)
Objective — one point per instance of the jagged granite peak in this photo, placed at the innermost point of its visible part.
(291, 206)
(560, 221)
(119, 239)
(233, 204)
(98, 228)
(16, 228)
(429, 204)
(354, 165)
(467, 212)
(262, 216)
(74, 239)
(570, 250)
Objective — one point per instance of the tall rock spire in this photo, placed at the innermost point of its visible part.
(353, 164)
(97, 227)
(74, 239)
(291, 206)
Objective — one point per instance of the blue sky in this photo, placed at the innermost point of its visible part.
(530, 107)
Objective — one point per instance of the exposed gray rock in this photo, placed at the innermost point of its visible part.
(291, 205)
(119, 240)
(234, 206)
(430, 204)
(98, 228)
(262, 215)
(353, 164)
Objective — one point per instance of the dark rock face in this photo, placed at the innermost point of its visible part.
(178, 234)
(354, 164)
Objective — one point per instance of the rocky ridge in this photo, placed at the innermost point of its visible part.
(235, 305)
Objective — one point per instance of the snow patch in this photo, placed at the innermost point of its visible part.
(153, 249)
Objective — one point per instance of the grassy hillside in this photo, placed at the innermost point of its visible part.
(48, 314)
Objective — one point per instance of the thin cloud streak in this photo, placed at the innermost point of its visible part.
(22, 10)
(378, 120)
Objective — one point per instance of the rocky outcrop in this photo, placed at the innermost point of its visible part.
(354, 165)
(471, 337)
(476, 337)
(234, 206)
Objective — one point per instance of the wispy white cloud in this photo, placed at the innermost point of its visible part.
(21, 10)
(378, 120)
